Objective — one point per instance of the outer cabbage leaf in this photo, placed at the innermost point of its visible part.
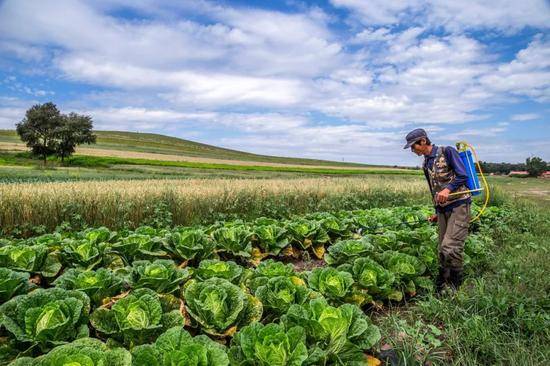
(270, 269)
(188, 244)
(279, 293)
(83, 253)
(234, 239)
(331, 283)
(268, 345)
(271, 239)
(30, 258)
(228, 270)
(46, 317)
(177, 347)
(346, 251)
(160, 275)
(12, 283)
(137, 318)
(81, 352)
(306, 233)
(335, 335)
(98, 285)
(219, 306)
(139, 246)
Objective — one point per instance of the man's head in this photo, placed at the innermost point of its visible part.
(418, 142)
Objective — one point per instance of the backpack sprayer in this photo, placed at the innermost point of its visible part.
(469, 158)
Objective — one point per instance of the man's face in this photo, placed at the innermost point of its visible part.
(417, 148)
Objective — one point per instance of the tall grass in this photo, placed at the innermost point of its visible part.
(117, 204)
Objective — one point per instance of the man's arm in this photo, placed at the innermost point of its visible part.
(455, 162)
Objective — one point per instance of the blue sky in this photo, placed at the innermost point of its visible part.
(335, 79)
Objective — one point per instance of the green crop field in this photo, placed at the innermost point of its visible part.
(113, 260)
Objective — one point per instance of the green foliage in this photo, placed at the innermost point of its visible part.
(235, 239)
(12, 283)
(228, 270)
(331, 283)
(270, 269)
(188, 244)
(160, 275)
(81, 352)
(335, 335)
(46, 317)
(535, 166)
(345, 251)
(137, 318)
(271, 238)
(219, 306)
(279, 293)
(177, 347)
(268, 345)
(73, 130)
(98, 285)
(30, 258)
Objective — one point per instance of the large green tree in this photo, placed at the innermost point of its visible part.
(47, 131)
(74, 130)
(535, 166)
(38, 129)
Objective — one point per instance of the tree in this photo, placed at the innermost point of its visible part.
(74, 130)
(38, 129)
(46, 131)
(535, 166)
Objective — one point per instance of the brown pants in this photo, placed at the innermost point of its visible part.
(453, 230)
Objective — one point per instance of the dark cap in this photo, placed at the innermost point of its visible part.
(414, 136)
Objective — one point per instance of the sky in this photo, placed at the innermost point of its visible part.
(343, 80)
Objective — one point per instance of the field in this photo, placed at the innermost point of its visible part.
(226, 266)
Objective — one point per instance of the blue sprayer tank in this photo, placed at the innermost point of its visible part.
(469, 163)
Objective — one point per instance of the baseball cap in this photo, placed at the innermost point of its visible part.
(414, 136)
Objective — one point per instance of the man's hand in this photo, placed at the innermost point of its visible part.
(442, 196)
(432, 218)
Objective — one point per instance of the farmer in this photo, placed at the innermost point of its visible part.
(446, 176)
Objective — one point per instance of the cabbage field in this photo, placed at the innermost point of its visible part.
(298, 291)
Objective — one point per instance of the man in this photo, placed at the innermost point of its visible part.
(446, 174)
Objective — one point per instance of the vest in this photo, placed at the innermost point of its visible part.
(441, 175)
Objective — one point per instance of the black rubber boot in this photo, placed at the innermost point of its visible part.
(442, 279)
(457, 277)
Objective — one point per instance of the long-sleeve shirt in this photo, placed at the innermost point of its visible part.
(455, 162)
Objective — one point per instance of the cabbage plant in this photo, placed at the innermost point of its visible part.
(177, 347)
(270, 269)
(305, 233)
(331, 283)
(334, 335)
(268, 345)
(160, 275)
(12, 283)
(98, 285)
(83, 253)
(30, 258)
(139, 246)
(189, 243)
(345, 251)
(46, 317)
(228, 270)
(235, 239)
(279, 293)
(271, 239)
(81, 352)
(219, 306)
(138, 317)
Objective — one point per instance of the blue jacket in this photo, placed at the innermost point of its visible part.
(455, 162)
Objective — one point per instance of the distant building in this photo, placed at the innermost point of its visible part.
(518, 173)
(546, 174)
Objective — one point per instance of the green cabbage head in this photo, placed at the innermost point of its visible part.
(177, 347)
(268, 345)
(220, 306)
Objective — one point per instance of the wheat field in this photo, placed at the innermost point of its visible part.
(123, 203)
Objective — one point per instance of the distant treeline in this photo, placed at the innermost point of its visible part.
(501, 168)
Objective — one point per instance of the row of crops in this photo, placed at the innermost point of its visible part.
(266, 292)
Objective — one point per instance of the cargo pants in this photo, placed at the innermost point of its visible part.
(453, 230)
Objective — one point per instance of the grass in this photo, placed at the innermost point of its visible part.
(160, 144)
(500, 316)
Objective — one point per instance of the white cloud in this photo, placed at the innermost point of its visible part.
(524, 117)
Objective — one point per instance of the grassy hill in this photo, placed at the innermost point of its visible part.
(131, 155)
(160, 144)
